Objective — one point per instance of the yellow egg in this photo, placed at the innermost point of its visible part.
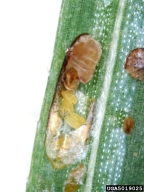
(69, 96)
(66, 108)
(75, 120)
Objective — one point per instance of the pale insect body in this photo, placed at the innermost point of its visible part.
(67, 131)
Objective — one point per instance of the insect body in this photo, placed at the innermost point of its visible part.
(82, 58)
(134, 64)
(67, 131)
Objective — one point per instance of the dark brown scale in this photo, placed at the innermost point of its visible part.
(128, 125)
(134, 64)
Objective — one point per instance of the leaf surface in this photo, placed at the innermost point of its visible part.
(113, 156)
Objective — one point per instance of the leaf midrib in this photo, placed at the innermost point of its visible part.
(102, 101)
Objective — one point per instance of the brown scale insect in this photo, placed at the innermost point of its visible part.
(128, 125)
(134, 64)
(81, 60)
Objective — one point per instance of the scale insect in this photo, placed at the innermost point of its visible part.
(68, 131)
(81, 60)
(134, 64)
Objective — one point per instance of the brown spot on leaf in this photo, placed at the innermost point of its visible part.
(134, 64)
(128, 125)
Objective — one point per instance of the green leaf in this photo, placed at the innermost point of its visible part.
(113, 157)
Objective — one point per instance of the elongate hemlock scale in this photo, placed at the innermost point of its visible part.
(134, 64)
(67, 131)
